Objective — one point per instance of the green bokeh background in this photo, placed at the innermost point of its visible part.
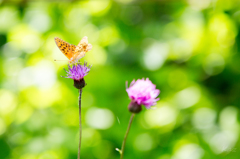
(188, 48)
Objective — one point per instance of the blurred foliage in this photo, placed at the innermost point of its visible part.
(189, 49)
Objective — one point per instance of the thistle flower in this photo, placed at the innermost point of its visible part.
(142, 92)
(77, 72)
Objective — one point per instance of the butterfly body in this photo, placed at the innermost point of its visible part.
(72, 52)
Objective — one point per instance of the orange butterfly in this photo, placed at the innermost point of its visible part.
(72, 52)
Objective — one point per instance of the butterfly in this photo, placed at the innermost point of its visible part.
(72, 52)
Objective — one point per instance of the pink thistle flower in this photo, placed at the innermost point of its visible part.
(77, 72)
(142, 92)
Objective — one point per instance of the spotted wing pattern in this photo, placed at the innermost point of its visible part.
(72, 52)
(67, 49)
(81, 49)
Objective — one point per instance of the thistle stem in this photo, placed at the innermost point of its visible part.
(80, 123)
(126, 135)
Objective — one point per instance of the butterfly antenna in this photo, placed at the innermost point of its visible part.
(60, 60)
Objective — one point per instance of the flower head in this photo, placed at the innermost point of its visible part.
(142, 92)
(77, 72)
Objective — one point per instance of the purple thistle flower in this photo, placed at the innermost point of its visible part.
(77, 72)
(142, 92)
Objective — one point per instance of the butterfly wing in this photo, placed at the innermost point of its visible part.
(81, 50)
(66, 48)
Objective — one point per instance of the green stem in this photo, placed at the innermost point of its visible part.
(126, 135)
(80, 123)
